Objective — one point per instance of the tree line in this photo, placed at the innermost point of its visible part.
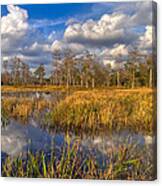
(82, 71)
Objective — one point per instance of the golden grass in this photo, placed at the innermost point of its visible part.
(113, 109)
(31, 88)
(90, 109)
(23, 108)
(50, 88)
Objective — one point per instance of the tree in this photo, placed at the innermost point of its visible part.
(40, 73)
(150, 70)
(56, 73)
(132, 65)
(5, 74)
(16, 71)
(25, 73)
(68, 62)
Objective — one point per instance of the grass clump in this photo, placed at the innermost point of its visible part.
(111, 109)
(23, 108)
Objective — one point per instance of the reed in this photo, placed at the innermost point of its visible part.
(128, 162)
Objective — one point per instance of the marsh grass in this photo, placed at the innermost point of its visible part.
(83, 110)
(87, 110)
(125, 163)
(32, 88)
(110, 109)
(23, 108)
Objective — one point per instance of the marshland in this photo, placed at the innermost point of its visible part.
(78, 91)
(99, 134)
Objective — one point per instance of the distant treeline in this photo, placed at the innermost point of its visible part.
(83, 71)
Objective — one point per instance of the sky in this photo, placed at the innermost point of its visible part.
(108, 30)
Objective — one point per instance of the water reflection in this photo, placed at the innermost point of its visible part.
(17, 138)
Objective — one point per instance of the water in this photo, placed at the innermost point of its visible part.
(17, 138)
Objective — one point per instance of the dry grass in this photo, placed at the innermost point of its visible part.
(113, 109)
(34, 88)
(23, 108)
(116, 109)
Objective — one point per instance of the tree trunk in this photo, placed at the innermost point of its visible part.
(133, 79)
(150, 78)
(118, 79)
(87, 85)
(93, 83)
(108, 83)
(81, 81)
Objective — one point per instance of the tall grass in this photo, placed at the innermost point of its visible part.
(126, 163)
(111, 109)
(23, 108)
(88, 110)
(32, 88)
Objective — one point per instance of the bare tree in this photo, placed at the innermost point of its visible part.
(40, 73)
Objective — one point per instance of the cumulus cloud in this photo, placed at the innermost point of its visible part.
(108, 30)
(140, 12)
(19, 39)
(117, 50)
(146, 40)
(62, 46)
(13, 27)
(108, 36)
(15, 22)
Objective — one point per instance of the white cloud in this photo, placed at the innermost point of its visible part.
(15, 22)
(13, 27)
(146, 40)
(52, 36)
(63, 46)
(108, 37)
(108, 30)
(19, 39)
(117, 50)
(110, 62)
(40, 23)
(40, 47)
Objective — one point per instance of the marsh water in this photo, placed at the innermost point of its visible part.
(17, 138)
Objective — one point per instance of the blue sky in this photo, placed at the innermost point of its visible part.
(34, 32)
(62, 12)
